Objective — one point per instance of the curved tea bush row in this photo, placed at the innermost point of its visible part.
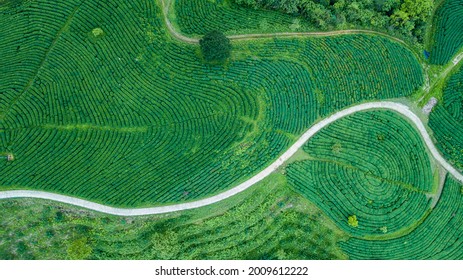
(440, 236)
(372, 165)
(104, 85)
(379, 142)
(197, 17)
(131, 118)
(448, 39)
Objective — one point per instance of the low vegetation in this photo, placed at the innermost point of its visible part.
(99, 101)
(269, 222)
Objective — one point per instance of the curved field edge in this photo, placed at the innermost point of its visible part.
(446, 120)
(195, 135)
(449, 135)
(439, 236)
(267, 222)
(373, 165)
(400, 108)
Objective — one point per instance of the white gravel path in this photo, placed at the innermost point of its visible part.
(400, 108)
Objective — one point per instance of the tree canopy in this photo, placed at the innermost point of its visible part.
(215, 46)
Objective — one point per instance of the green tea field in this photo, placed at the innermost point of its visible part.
(120, 139)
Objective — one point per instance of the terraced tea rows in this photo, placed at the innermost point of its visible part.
(440, 236)
(97, 101)
(197, 17)
(122, 115)
(448, 39)
(372, 165)
(28, 43)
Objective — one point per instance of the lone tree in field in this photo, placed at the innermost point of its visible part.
(352, 221)
(215, 46)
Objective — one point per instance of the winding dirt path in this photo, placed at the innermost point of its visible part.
(190, 40)
(397, 107)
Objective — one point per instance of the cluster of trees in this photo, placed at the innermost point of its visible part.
(407, 17)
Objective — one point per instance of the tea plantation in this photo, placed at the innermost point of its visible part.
(372, 165)
(106, 106)
(438, 237)
(113, 102)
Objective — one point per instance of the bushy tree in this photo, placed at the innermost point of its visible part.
(215, 46)
(352, 221)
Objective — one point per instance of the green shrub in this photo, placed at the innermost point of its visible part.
(446, 121)
(352, 221)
